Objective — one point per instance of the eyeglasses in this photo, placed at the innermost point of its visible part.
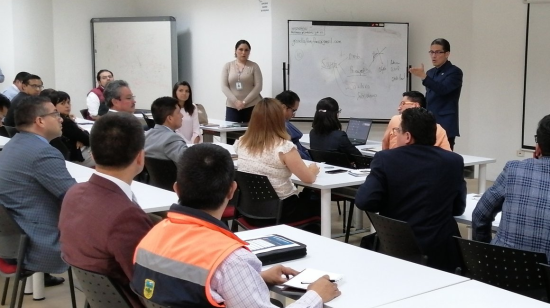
(403, 103)
(536, 139)
(128, 98)
(293, 110)
(396, 130)
(340, 110)
(54, 114)
(37, 86)
(436, 52)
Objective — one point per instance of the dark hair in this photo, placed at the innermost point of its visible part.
(116, 139)
(188, 104)
(417, 97)
(420, 123)
(20, 76)
(240, 42)
(63, 96)
(326, 116)
(162, 107)
(288, 98)
(205, 174)
(52, 94)
(443, 43)
(112, 91)
(29, 109)
(4, 102)
(102, 71)
(30, 77)
(543, 135)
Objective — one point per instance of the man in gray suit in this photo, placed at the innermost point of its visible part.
(162, 142)
(34, 180)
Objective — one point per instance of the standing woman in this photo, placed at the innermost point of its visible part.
(190, 127)
(327, 133)
(241, 84)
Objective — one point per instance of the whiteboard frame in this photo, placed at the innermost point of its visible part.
(349, 24)
(173, 38)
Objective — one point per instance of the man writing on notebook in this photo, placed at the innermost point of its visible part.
(411, 99)
(192, 259)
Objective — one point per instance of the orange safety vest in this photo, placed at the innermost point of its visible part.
(175, 261)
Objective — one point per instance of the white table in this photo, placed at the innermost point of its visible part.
(85, 124)
(370, 279)
(3, 141)
(468, 294)
(466, 218)
(223, 128)
(469, 160)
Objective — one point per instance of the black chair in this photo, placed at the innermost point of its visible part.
(10, 130)
(85, 114)
(396, 238)
(150, 122)
(100, 290)
(162, 172)
(361, 162)
(546, 270)
(511, 269)
(258, 200)
(13, 244)
(4, 132)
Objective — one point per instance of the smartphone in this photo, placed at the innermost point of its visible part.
(335, 171)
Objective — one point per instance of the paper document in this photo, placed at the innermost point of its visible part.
(308, 276)
(359, 172)
(269, 243)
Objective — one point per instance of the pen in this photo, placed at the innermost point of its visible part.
(331, 280)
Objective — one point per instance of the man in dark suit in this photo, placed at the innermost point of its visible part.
(162, 142)
(101, 222)
(443, 84)
(34, 180)
(421, 184)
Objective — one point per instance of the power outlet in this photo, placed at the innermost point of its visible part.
(520, 153)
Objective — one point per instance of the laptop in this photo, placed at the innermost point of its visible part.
(358, 130)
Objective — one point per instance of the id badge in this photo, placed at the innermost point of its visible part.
(239, 85)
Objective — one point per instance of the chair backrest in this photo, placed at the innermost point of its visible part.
(331, 158)
(361, 162)
(13, 240)
(100, 290)
(85, 114)
(257, 198)
(162, 172)
(4, 132)
(150, 122)
(396, 239)
(507, 268)
(11, 130)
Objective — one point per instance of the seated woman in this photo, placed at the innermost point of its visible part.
(266, 149)
(77, 140)
(190, 128)
(327, 134)
(291, 103)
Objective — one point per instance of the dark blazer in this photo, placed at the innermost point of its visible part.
(34, 180)
(422, 185)
(71, 134)
(100, 229)
(443, 86)
(335, 141)
(9, 120)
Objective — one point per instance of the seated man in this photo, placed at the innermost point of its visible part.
(119, 97)
(223, 270)
(291, 103)
(101, 222)
(161, 141)
(31, 86)
(16, 87)
(522, 193)
(412, 99)
(95, 99)
(34, 180)
(421, 184)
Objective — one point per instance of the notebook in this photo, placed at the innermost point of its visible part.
(358, 130)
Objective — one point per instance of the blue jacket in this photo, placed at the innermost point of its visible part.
(443, 86)
(295, 135)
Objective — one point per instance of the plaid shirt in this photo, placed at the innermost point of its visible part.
(522, 193)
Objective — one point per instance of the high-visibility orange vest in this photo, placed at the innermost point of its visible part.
(175, 261)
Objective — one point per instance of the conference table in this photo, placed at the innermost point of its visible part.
(466, 217)
(372, 147)
(223, 127)
(370, 279)
(3, 141)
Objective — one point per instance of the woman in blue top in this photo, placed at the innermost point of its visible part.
(291, 103)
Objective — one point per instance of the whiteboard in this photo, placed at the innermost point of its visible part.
(537, 70)
(363, 66)
(139, 50)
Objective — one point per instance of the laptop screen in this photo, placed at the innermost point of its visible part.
(358, 129)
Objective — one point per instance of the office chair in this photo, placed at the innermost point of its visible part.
(100, 290)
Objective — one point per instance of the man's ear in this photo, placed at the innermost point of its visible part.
(409, 138)
(176, 188)
(538, 151)
(231, 191)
